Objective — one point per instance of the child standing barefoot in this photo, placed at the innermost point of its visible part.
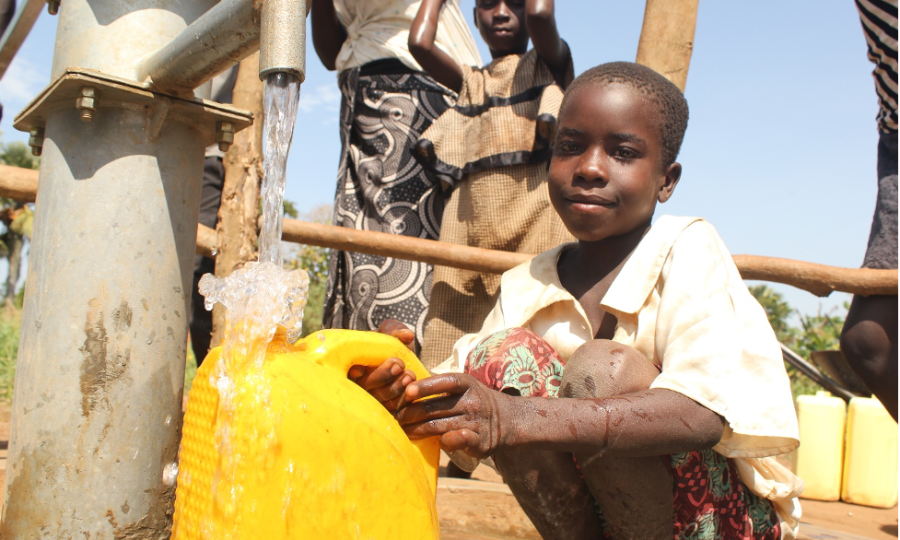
(671, 392)
(492, 149)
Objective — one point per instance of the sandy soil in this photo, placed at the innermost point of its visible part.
(819, 518)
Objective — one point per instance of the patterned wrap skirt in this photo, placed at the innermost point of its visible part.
(382, 187)
(709, 500)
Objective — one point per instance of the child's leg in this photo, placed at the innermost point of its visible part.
(546, 484)
(634, 494)
(552, 493)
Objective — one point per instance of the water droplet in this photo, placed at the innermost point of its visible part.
(135, 453)
(168, 419)
(321, 336)
(170, 474)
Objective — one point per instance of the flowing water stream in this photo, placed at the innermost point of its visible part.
(258, 298)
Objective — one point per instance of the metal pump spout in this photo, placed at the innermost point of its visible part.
(282, 45)
(227, 33)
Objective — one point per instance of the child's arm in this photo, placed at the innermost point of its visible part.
(433, 60)
(480, 421)
(541, 22)
(328, 33)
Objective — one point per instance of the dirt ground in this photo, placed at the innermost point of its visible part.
(820, 521)
(462, 501)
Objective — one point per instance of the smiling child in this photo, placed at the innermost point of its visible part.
(671, 391)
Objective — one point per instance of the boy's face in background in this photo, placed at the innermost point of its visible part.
(501, 24)
(606, 173)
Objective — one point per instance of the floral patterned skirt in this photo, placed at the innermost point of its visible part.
(709, 500)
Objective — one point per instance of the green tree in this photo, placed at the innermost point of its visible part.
(17, 217)
(820, 332)
(314, 260)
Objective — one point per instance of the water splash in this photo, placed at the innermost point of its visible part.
(259, 298)
(170, 474)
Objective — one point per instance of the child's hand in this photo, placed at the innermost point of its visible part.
(388, 381)
(467, 416)
(393, 327)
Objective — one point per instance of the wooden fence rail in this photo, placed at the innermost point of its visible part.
(819, 279)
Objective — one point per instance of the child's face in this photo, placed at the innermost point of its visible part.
(502, 25)
(606, 173)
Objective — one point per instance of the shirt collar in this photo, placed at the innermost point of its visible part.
(534, 285)
(639, 276)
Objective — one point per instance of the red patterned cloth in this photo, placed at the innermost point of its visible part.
(709, 500)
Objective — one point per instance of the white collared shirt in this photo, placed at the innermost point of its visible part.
(681, 302)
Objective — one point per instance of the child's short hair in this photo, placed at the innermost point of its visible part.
(670, 102)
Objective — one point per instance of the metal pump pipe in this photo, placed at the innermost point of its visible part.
(224, 35)
(228, 33)
(282, 47)
(96, 414)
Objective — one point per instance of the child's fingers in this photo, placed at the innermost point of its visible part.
(383, 375)
(451, 383)
(432, 428)
(428, 410)
(394, 390)
(459, 439)
(397, 329)
(356, 372)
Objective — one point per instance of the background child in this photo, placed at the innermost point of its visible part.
(386, 104)
(492, 149)
(676, 388)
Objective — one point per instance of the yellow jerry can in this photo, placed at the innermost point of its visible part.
(870, 463)
(335, 464)
(819, 459)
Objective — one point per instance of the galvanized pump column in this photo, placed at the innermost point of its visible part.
(97, 404)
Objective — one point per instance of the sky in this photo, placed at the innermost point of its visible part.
(780, 149)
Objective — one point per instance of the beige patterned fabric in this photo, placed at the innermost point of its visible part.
(497, 160)
(378, 29)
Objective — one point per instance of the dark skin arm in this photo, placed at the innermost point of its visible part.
(433, 60)
(541, 23)
(471, 417)
(327, 32)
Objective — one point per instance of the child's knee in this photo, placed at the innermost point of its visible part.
(602, 368)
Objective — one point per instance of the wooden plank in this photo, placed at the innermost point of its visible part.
(819, 279)
(667, 38)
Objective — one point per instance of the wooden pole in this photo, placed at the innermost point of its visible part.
(667, 38)
(819, 279)
(18, 184)
(237, 227)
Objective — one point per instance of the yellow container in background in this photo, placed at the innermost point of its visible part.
(335, 464)
(870, 463)
(819, 459)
